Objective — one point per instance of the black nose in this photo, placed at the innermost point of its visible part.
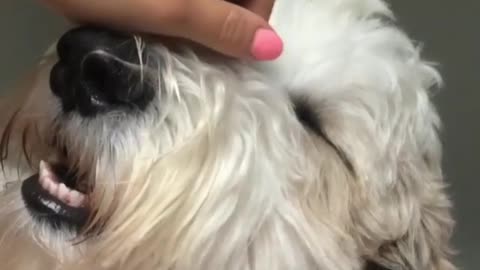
(99, 70)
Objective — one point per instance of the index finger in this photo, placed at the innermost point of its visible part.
(223, 26)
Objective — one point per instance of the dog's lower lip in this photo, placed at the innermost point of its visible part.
(49, 209)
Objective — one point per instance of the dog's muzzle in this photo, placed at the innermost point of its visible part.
(99, 70)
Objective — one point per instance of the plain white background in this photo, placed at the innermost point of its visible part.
(449, 30)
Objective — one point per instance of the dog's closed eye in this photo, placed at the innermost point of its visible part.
(310, 119)
(307, 115)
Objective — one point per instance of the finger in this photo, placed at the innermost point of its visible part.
(222, 26)
(261, 7)
(149, 16)
(232, 30)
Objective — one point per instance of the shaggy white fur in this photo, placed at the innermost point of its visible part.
(220, 173)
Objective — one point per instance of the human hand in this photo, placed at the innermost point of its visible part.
(238, 31)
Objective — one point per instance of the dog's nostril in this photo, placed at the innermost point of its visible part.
(95, 74)
(103, 70)
(109, 80)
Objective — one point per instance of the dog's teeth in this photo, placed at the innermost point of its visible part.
(43, 171)
(53, 188)
(46, 171)
(41, 180)
(43, 167)
(63, 193)
(49, 181)
(76, 199)
(45, 181)
(45, 184)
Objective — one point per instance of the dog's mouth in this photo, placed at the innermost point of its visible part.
(58, 196)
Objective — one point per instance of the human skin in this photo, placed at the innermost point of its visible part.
(238, 28)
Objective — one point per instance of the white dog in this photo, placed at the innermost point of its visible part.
(167, 156)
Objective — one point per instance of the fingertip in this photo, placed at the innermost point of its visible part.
(267, 45)
(234, 31)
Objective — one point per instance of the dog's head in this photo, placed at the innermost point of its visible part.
(139, 142)
(147, 155)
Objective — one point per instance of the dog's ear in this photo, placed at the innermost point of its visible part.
(421, 198)
(426, 245)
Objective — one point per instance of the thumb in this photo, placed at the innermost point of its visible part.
(232, 30)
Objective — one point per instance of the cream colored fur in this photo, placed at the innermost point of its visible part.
(220, 174)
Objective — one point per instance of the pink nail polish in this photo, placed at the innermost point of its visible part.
(266, 45)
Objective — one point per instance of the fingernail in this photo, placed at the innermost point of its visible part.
(266, 45)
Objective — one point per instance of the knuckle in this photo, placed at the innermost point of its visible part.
(233, 28)
(237, 31)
